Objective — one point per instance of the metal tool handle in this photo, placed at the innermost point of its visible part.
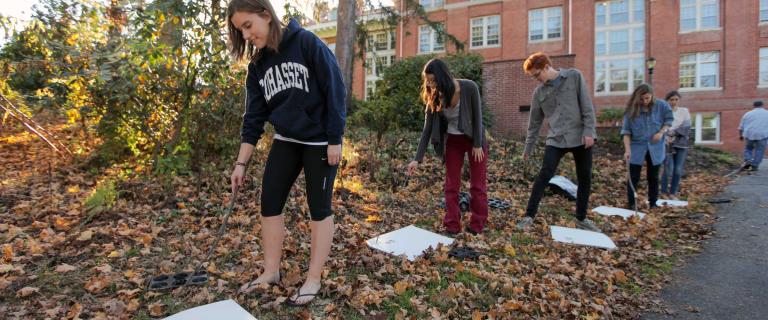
(221, 229)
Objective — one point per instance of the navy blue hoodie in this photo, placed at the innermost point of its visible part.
(299, 90)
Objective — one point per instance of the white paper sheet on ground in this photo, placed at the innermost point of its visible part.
(227, 309)
(565, 184)
(612, 211)
(411, 241)
(671, 203)
(581, 237)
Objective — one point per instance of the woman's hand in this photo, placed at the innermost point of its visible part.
(478, 154)
(412, 167)
(238, 177)
(334, 154)
(627, 155)
(657, 137)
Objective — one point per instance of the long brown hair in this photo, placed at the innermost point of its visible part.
(436, 100)
(634, 104)
(238, 47)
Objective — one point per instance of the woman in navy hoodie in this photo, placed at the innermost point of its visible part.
(294, 82)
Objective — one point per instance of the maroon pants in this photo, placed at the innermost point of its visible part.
(456, 147)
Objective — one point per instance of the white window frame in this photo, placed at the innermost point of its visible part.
(698, 120)
(429, 4)
(762, 75)
(698, 8)
(634, 57)
(546, 13)
(370, 88)
(697, 71)
(434, 36)
(485, 32)
(389, 38)
(763, 11)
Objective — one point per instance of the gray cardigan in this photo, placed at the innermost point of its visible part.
(470, 122)
(568, 109)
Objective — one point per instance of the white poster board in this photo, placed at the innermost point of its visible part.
(226, 309)
(581, 237)
(613, 211)
(410, 241)
(671, 203)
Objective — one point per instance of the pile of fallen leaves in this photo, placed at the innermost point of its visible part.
(63, 257)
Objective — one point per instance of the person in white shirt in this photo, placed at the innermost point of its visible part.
(678, 143)
(754, 129)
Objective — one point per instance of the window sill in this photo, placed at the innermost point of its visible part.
(486, 47)
(709, 143)
(694, 90)
(763, 23)
(612, 94)
(699, 30)
(430, 52)
(544, 41)
(762, 86)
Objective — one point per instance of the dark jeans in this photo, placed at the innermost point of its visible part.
(674, 169)
(652, 174)
(552, 155)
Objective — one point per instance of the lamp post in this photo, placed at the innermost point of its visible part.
(650, 64)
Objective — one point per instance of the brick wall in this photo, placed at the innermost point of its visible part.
(506, 89)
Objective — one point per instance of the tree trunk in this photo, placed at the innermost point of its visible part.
(345, 43)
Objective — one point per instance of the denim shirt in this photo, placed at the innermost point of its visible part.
(641, 130)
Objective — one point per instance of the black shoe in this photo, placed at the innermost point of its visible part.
(450, 233)
(472, 232)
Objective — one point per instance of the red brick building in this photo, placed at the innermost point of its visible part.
(714, 51)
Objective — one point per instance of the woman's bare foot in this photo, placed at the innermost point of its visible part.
(264, 280)
(306, 293)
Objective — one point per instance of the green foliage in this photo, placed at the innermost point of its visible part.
(396, 104)
(611, 116)
(101, 198)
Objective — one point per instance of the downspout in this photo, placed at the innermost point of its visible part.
(400, 22)
(570, 27)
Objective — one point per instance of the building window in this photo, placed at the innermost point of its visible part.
(485, 32)
(763, 81)
(699, 15)
(706, 127)
(370, 88)
(545, 24)
(700, 70)
(427, 4)
(763, 10)
(619, 46)
(430, 40)
(381, 41)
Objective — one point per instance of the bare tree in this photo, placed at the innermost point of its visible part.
(345, 43)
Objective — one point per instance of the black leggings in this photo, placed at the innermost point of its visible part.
(285, 161)
(652, 174)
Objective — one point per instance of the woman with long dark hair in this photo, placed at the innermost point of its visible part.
(646, 120)
(454, 124)
(294, 83)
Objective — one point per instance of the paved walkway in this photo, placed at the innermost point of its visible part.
(729, 279)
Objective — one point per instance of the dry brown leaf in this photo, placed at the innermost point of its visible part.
(5, 268)
(96, 284)
(62, 268)
(620, 277)
(104, 268)
(27, 291)
(156, 309)
(8, 252)
(85, 235)
(401, 286)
